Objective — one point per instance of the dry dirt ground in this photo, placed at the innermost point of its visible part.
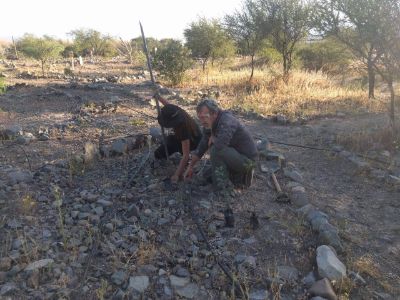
(76, 230)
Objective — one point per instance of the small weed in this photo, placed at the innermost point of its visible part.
(137, 122)
(102, 290)
(3, 86)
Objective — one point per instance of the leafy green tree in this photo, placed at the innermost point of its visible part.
(43, 49)
(172, 60)
(327, 55)
(92, 42)
(290, 21)
(355, 25)
(248, 28)
(207, 40)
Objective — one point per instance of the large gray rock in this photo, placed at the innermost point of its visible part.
(329, 265)
(18, 176)
(138, 283)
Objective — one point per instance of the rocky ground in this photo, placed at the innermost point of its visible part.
(86, 213)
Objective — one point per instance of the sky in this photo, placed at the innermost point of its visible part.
(118, 18)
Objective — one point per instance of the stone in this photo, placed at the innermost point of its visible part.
(8, 289)
(138, 283)
(329, 265)
(318, 298)
(293, 174)
(393, 180)
(330, 237)
(118, 277)
(39, 264)
(309, 280)
(11, 132)
(299, 199)
(189, 291)
(317, 223)
(259, 295)
(316, 214)
(298, 188)
(104, 202)
(18, 176)
(119, 147)
(178, 281)
(287, 273)
(323, 288)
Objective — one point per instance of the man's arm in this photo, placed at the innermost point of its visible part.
(227, 126)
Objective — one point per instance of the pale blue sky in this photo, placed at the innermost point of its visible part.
(119, 18)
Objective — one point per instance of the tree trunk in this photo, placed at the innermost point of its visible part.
(392, 98)
(371, 79)
(204, 64)
(15, 48)
(42, 68)
(252, 68)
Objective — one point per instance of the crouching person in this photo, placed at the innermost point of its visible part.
(232, 149)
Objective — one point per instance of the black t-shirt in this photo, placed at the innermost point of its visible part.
(185, 134)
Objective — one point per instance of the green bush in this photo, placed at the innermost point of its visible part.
(3, 86)
(326, 55)
(172, 60)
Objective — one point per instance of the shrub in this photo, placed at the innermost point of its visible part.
(172, 60)
(3, 86)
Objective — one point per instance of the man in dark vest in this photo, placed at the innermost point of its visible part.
(232, 149)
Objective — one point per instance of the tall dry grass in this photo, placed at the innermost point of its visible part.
(306, 94)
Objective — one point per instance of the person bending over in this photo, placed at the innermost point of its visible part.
(185, 138)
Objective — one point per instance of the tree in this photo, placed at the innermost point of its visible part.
(132, 50)
(92, 42)
(290, 23)
(172, 60)
(248, 28)
(43, 49)
(207, 40)
(356, 26)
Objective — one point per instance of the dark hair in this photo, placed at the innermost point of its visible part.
(189, 124)
(173, 116)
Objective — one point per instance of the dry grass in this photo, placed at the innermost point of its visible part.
(366, 265)
(305, 94)
(373, 138)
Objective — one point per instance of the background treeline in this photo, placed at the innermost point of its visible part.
(316, 35)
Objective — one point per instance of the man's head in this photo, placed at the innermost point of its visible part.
(207, 112)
